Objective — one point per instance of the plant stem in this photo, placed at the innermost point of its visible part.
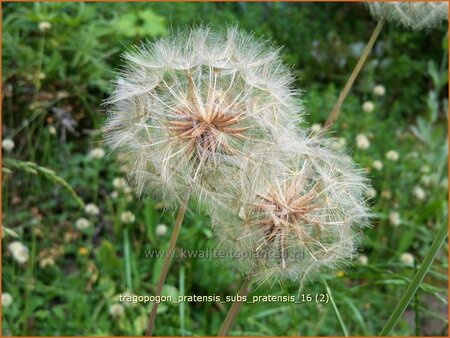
(126, 245)
(234, 309)
(417, 279)
(336, 310)
(165, 268)
(362, 59)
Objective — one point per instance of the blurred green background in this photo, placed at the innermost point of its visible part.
(63, 267)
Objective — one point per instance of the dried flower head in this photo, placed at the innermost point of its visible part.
(301, 220)
(193, 107)
(414, 15)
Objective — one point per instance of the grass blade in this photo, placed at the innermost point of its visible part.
(417, 279)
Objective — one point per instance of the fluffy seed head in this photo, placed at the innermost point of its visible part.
(300, 220)
(413, 15)
(193, 107)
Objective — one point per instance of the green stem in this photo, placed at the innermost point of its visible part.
(362, 59)
(336, 310)
(126, 244)
(417, 279)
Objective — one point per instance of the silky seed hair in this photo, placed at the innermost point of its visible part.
(191, 109)
(303, 220)
(412, 15)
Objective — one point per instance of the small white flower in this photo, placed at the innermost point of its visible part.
(363, 260)
(316, 128)
(52, 130)
(161, 229)
(18, 251)
(44, 25)
(7, 145)
(377, 164)
(413, 154)
(91, 209)
(425, 169)
(82, 223)
(444, 183)
(338, 144)
(392, 155)
(371, 192)
(429, 180)
(368, 106)
(127, 190)
(114, 195)
(419, 193)
(126, 299)
(119, 183)
(379, 90)
(394, 218)
(127, 217)
(97, 153)
(407, 259)
(47, 261)
(362, 142)
(6, 299)
(116, 310)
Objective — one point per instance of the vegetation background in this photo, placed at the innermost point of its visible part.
(57, 63)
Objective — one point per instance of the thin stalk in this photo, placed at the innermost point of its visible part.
(126, 246)
(336, 310)
(362, 59)
(417, 279)
(165, 268)
(234, 309)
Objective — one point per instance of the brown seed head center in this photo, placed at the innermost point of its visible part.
(208, 134)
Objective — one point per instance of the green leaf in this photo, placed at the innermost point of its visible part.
(110, 263)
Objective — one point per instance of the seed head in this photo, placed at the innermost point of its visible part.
(413, 15)
(194, 107)
(301, 220)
